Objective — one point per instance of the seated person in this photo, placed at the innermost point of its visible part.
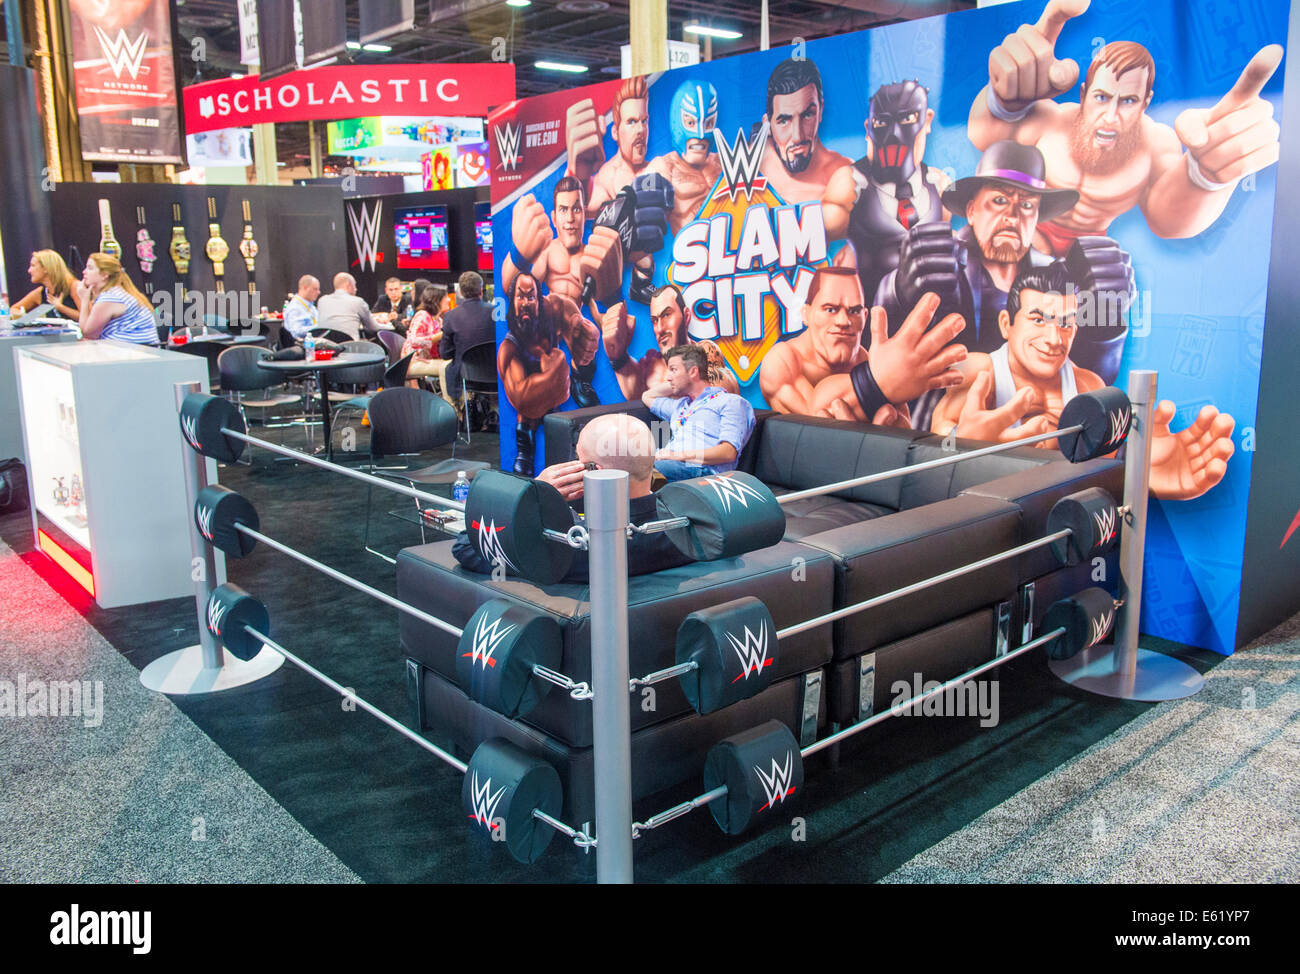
(393, 304)
(55, 285)
(710, 426)
(422, 340)
(113, 307)
(300, 311)
(613, 442)
(344, 311)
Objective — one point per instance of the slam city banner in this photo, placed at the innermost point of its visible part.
(126, 87)
(1031, 199)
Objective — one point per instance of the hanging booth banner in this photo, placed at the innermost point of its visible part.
(352, 91)
(1134, 181)
(278, 36)
(124, 80)
(248, 32)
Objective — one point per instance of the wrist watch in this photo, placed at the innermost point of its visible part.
(248, 248)
(107, 242)
(216, 248)
(144, 250)
(180, 247)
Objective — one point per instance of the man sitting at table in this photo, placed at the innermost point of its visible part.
(300, 311)
(613, 442)
(393, 304)
(344, 311)
(709, 425)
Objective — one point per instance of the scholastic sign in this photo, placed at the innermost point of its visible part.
(349, 92)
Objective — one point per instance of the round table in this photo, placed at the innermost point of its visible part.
(344, 360)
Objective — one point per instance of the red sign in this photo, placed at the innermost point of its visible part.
(126, 89)
(349, 92)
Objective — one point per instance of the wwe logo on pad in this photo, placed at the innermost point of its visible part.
(122, 53)
(1101, 626)
(1105, 524)
(484, 801)
(365, 234)
(751, 651)
(776, 783)
(1118, 425)
(740, 162)
(489, 545)
(188, 424)
(216, 612)
(486, 639)
(729, 490)
(507, 137)
(204, 517)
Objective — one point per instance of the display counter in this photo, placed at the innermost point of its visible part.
(104, 465)
(11, 433)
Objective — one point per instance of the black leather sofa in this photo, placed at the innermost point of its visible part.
(838, 550)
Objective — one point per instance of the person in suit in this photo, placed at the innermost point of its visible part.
(464, 326)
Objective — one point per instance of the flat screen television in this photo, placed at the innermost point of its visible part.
(421, 234)
(483, 234)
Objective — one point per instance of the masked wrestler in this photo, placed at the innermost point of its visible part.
(875, 201)
(533, 368)
(692, 169)
(795, 162)
(1108, 147)
(670, 319)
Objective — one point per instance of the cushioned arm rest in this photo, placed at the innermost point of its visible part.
(1035, 490)
(562, 428)
(890, 552)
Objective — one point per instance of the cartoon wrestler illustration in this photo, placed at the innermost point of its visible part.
(670, 319)
(530, 361)
(691, 169)
(1107, 147)
(795, 162)
(1020, 388)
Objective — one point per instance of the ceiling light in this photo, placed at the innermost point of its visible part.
(582, 6)
(385, 48)
(560, 66)
(729, 35)
(519, 3)
(353, 46)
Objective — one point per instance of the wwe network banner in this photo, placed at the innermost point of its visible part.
(349, 92)
(1080, 189)
(125, 84)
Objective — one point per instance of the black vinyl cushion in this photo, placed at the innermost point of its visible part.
(939, 483)
(812, 515)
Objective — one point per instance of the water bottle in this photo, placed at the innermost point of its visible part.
(309, 348)
(460, 490)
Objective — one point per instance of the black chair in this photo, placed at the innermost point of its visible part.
(392, 343)
(396, 373)
(237, 366)
(478, 374)
(410, 421)
(331, 335)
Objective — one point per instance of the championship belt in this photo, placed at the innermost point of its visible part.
(216, 248)
(144, 250)
(180, 247)
(248, 248)
(107, 242)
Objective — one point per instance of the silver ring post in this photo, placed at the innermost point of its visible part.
(606, 497)
(196, 478)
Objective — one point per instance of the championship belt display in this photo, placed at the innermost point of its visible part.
(180, 246)
(144, 250)
(216, 248)
(248, 248)
(107, 242)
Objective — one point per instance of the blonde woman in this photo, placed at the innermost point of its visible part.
(112, 306)
(54, 285)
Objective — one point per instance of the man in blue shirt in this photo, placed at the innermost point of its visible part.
(300, 311)
(709, 425)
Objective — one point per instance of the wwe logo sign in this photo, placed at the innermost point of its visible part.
(486, 639)
(751, 651)
(122, 53)
(776, 783)
(507, 137)
(740, 162)
(483, 800)
(365, 234)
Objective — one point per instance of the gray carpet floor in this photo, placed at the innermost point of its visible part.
(1194, 791)
(145, 796)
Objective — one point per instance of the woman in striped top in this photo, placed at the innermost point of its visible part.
(117, 309)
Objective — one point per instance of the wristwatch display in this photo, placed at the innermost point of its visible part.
(144, 250)
(107, 242)
(248, 248)
(216, 248)
(180, 247)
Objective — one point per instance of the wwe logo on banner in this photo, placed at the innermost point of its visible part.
(486, 639)
(191, 434)
(483, 801)
(216, 612)
(751, 651)
(507, 137)
(122, 53)
(776, 785)
(740, 162)
(1101, 626)
(365, 234)
(1105, 524)
(729, 490)
(489, 545)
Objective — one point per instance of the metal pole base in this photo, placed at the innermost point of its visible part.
(182, 672)
(1157, 676)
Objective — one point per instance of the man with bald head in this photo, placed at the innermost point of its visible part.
(616, 441)
(300, 311)
(344, 311)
